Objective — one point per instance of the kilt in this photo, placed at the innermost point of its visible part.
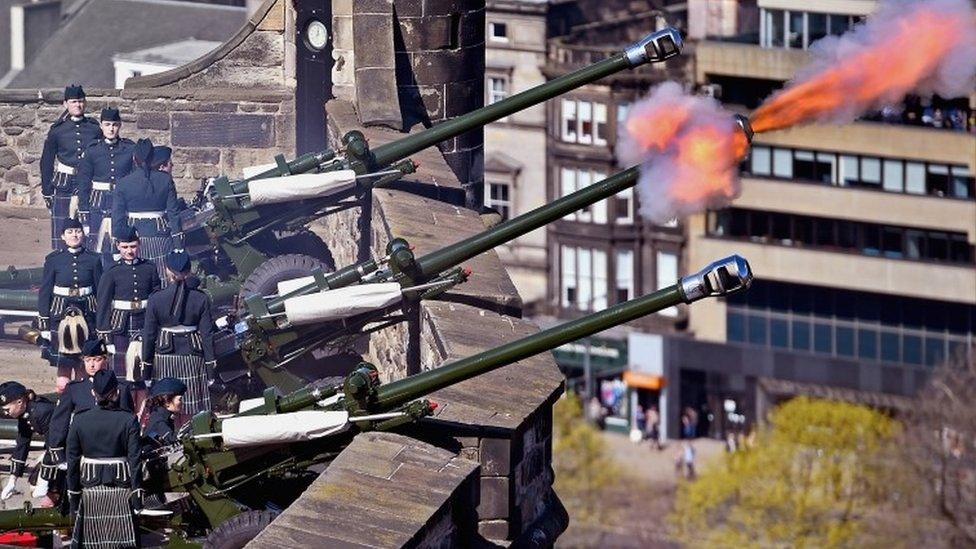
(99, 221)
(60, 208)
(155, 242)
(126, 325)
(105, 519)
(190, 369)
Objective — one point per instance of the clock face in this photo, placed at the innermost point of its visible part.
(316, 35)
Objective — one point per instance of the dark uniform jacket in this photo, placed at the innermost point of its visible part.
(137, 193)
(193, 310)
(71, 268)
(104, 433)
(124, 281)
(161, 427)
(76, 399)
(103, 161)
(37, 419)
(66, 141)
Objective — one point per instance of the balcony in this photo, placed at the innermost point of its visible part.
(729, 58)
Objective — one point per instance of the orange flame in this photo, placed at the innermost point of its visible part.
(908, 53)
(705, 166)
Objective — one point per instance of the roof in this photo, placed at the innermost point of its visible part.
(172, 54)
(83, 47)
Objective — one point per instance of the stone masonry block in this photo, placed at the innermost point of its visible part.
(222, 130)
(495, 498)
(153, 121)
(428, 33)
(8, 158)
(494, 529)
(496, 456)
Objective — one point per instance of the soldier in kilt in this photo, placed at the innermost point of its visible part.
(146, 201)
(122, 297)
(66, 302)
(66, 142)
(178, 336)
(105, 162)
(103, 470)
(33, 414)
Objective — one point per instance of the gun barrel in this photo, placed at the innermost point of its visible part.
(33, 518)
(656, 46)
(18, 300)
(720, 278)
(12, 277)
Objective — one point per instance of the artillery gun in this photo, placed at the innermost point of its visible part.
(226, 466)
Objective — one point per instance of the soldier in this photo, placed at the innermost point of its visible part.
(165, 403)
(146, 200)
(122, 295)
(162, 159)
(105, 162)
(178, 335)
(66, 302)
(103, 470)
(65, 144)
(33, 415)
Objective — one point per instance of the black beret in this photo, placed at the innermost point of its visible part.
(127, 234)
(11, 391)
(111, 115)
(161, 155)
(104, 382)
(74, 91)
(143, 151)
(94, 347)
(167, 386)
(71, 223)
(178, 262)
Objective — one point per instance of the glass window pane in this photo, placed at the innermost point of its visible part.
(934, 350)
(568, 275)
(783, 163)
(796, 29)
(600, 123)
(759, 160)
(779, 335)
(667, 274)
(569, 120)
(585, 272)
(890, 347)
(847, 235)
(962, 182)
(625, 275)
(938, 246)
(845, 341)
(914, 244)
(735, 327)
(839, 24)
(937, 180)
(823, 338)
(567, 184)
(816, 26)
(757, 329)
(585, 122)
(871, 170)
(775, 28)
(867, 343)
(893, 176)
(891, 242)
(599, 280)
(915, 177)
(912, 349)
(848, 170)
(801, 335)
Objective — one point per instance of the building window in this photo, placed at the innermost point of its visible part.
(799, 29)
(583, 122)
(870, 239)
(667, 275)
(625, 275)
(623, 207)
(498, 197)
(583, 276)
(498, 32)
(574, 179)
(497, 89)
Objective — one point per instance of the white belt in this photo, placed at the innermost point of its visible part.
(103, 461)
(63, 168)
(102, 185)
(134, 305)
(68, 291)
(145, 215)
(179, 329)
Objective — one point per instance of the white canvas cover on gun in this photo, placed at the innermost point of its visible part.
(241, 431)
(251, 171)
(298, 187)
(292, 284)
(341, 302)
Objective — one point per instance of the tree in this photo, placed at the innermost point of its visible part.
(809, 480)
(583, 469)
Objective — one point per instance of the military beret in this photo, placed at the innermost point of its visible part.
(94, 347)
(127, 234)
(178, 262)
(167, 386)
(104, 382)
(161, 155)
(74, 91)
(71, 223)
(111, 115)
(11, 391)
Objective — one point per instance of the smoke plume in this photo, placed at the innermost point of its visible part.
(689, 149)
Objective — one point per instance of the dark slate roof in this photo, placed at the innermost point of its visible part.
(80, 51)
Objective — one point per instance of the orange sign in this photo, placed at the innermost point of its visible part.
(643, 381)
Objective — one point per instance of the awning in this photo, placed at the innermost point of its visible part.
(640, 380)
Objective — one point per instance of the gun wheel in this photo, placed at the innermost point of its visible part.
(264, 280)
(237, 531)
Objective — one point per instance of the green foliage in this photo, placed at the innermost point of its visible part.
(583, 469)
(808, 481)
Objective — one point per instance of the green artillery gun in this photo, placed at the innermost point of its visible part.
(258, 459)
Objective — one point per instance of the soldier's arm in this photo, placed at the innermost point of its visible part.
(45, 295)
(103, 298)
(173, 209)
(57, 433)
(154, 283)
(18, 458)
(120, 211)
(134, 450)
(48, 154)
(149, 329)
(125, 398)
(97, 274)
(84, 181)
(74, 459)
